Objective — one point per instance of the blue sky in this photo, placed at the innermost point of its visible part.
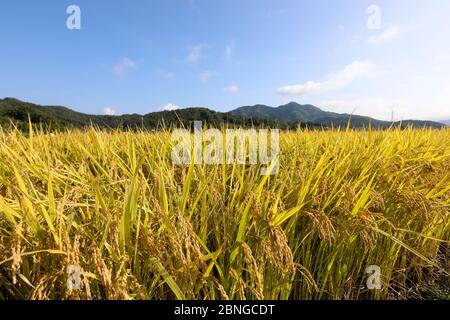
(143, 56)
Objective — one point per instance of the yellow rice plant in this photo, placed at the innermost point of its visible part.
(141, 227)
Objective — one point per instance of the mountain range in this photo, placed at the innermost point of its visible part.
(284, 117)
(295, 112)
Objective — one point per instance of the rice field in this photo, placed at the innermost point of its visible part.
(140, 227)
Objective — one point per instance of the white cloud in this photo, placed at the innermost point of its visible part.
(382, 109)
(192, 3)
(109, 111)
(229, 50)
(196, 53)
(168, 75)
(170, 107)
(376, 108)
(388, 35)
(356, 38)
(232, 89)
(123, 66)
(228, 53)
(205, 75)
(341, 78)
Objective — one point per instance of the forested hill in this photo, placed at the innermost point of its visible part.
(284, 117)
(294, 112)
(58, 117)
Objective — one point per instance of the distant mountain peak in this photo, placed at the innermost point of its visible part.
(306, 113)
